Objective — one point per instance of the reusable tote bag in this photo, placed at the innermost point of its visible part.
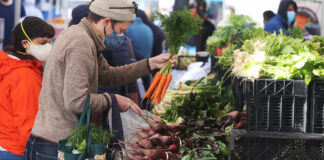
(93, 151)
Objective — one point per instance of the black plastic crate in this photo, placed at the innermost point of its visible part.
(237, 90)
(275, 87)
(276, 105)
(275, 146)
(317, 107)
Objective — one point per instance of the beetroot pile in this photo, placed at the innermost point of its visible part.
(157, 141)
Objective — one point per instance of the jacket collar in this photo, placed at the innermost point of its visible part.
(93, 34)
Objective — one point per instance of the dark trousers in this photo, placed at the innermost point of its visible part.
(39, 149)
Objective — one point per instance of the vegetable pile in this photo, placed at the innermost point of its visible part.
(279, 57)
(228, 37)
(157, 141)
(200, 107)
(179, 27)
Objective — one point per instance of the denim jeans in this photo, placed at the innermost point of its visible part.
(4, 155)
(39, 149)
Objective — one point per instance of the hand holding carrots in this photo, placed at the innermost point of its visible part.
(160, 83)
(162, 60)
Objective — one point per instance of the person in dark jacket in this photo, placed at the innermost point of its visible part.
(158, 35)
(7, 11)
(119, 56)
(284, 19)
(207, 27)
(79, 12)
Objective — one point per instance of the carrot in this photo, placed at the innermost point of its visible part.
(155, 81)
(153, 97)
(169, 78)
(159, 88)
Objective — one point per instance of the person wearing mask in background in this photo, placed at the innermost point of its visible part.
(207, 27)
(142, 36)
(31, 9)
(267, 15)
(7, 11)
(158, 35)
(284, 19)
(76, 66)
(20, 84)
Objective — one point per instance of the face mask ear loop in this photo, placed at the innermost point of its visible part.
(112, 25)
(22, 28)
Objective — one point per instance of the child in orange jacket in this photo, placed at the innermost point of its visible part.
(20, 84)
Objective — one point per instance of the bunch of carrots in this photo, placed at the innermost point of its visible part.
(179, 27)
(159, 85)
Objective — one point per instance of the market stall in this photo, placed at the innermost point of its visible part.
(250, 95)
(269, 85)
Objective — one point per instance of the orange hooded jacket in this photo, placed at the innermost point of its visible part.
(20, 84)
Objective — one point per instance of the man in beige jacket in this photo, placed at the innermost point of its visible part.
(74, 69)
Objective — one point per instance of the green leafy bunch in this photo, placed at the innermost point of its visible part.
(220, 38)
(236, 29)
(179, 27)
(207, 100)
(317, 44)
(99, 135)
(281, 44)
(295, 32)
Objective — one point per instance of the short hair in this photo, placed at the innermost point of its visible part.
(268, 15)
(94, 17)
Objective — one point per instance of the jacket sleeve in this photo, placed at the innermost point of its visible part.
(24, 95)
(112, 77)
(80, 66)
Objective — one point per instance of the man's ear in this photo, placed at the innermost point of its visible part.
(106, 22)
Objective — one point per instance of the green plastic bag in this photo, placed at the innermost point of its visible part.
(93, 151)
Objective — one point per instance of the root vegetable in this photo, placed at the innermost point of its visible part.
(241, 124)
(165, 139)
(149, 131)
(138, 158)
(144, 143)
(174, 147)
(151, 153)
(235, 115)
(142, 135)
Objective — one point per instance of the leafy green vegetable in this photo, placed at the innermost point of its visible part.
(235, 30)
(280, 57)
(98, 136)
(295, 32)
(179, 27)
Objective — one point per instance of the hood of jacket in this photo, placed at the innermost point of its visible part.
(8, 64)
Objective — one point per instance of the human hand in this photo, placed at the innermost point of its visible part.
(161, 60)
(125, 104)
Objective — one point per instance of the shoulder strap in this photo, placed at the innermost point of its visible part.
(130, 48)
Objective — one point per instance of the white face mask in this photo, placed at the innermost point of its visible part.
(40, 52)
